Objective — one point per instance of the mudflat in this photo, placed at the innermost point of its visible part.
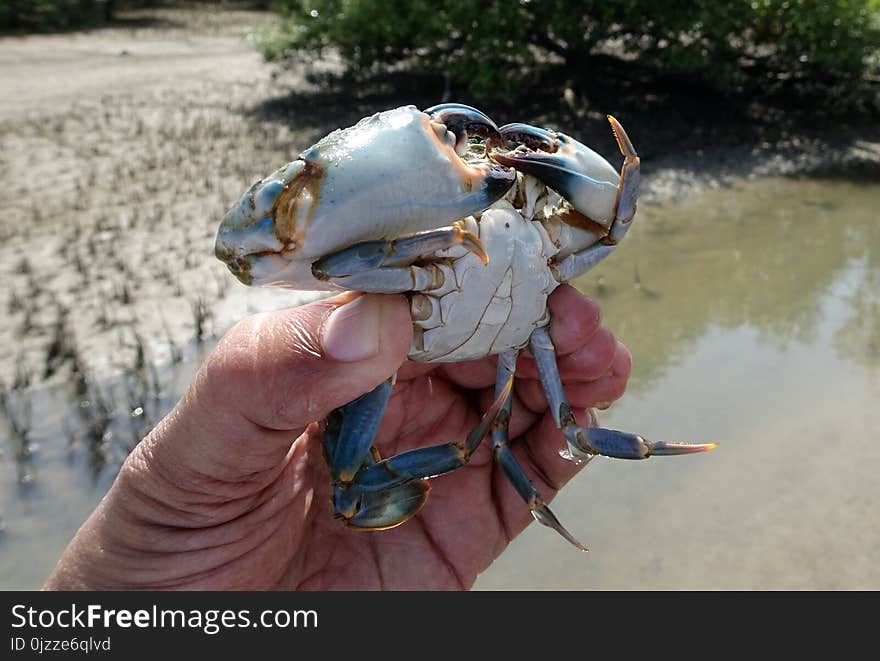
(120, 150)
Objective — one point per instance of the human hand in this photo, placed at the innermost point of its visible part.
(230, 490)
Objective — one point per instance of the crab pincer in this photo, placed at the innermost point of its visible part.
(465, 121)
(600, 197)
(583, 177)
(357, 185)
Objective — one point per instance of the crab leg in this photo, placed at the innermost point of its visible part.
(433, 460)
(387, 509)
(348, 448)
(585, 443)
(348, 442)
(386, 266)
(351, 430)
(372, 493)
(391, 280)
(509, 464)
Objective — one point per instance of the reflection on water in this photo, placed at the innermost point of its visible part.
(753, 315)
(764, 254)
(858, 337)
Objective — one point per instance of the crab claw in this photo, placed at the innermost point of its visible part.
(579, 174)
(532, 137)
(465, 121)
(246, 240)
(394, 173)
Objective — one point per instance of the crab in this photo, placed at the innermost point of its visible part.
(477, 224)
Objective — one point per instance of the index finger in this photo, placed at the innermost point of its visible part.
(574, 319)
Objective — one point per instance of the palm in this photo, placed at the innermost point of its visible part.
(471, 514)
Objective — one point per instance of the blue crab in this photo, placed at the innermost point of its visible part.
(477, 224)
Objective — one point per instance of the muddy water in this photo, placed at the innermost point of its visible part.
(76, 438)
(753, 315)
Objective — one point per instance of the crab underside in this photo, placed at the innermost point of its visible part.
(441, 205)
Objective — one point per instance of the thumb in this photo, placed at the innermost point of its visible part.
(273, 374)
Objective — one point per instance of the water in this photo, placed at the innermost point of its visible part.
(78, 436)
(753, 316)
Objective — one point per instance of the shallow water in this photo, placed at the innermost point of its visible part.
(753, 316)
(76, 441)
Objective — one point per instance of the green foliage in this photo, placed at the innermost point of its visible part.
(832, 36)
(46, 15)
(492, 45)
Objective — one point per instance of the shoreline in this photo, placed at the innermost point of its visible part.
(676, 177)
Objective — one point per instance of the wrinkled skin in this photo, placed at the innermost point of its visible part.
(231, 489)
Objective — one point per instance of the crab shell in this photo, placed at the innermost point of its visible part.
(393, 173)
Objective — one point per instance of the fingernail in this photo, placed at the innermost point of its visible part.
(351, 332)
